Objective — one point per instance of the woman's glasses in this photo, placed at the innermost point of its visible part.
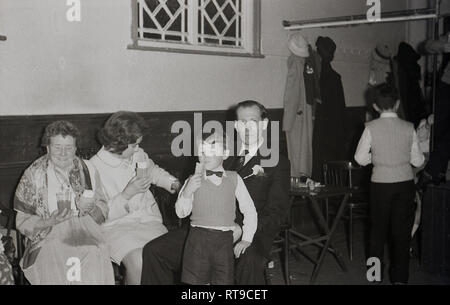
(60, 148)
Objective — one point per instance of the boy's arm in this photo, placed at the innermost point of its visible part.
(247, 208)
(183, 206)
(417, 157)
(362, 154)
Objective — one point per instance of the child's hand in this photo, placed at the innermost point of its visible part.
(193, 184)
(241, 247)
(237, 232)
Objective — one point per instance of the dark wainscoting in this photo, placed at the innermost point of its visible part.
(20, 140)
(20, 137)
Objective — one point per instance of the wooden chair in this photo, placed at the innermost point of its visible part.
(343, 173)
(10, 216)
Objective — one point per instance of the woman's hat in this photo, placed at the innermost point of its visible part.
(298, 45)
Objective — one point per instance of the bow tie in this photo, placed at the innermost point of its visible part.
(210, 173)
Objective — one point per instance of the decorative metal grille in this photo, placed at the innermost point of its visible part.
(163, 20)
(220, 22)
(216, 23)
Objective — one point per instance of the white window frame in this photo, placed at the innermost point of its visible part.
(251, 34)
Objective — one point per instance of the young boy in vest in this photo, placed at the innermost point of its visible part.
(210, 197)
(391, 145)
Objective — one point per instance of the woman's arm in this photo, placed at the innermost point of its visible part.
(159, 176)
(31, 225)
(27, 221)
(117, 206)
(100, 210)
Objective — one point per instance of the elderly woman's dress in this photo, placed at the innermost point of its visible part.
(131, 223)
(73, 251)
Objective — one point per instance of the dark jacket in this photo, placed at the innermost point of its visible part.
(270, 194)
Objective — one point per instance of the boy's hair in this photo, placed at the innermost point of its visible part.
(385, 96)
(215, 137)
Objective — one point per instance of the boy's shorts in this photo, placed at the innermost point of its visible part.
(208, 257)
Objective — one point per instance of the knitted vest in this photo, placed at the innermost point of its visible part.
(215, 205)
(392, 140)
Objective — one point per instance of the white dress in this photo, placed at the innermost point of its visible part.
(130, 224)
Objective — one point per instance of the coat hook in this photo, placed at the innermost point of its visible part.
(2, 38)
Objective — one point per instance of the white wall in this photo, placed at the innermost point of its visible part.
(51, 66)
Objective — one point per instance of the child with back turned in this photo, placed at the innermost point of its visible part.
(391, 145)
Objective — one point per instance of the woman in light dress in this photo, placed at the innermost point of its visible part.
(134, 217)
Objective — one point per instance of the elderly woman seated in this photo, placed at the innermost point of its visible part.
(59, 208)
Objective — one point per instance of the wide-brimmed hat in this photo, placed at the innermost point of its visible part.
(381, 53)
(383, 50)
(298, 45)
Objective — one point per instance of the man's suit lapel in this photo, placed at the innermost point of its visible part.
(247, 169)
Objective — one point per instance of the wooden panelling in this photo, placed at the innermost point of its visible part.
(20, 138)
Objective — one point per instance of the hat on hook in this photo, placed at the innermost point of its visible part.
(298, 45)
(381, 53)
(326, 48)
(383, 50)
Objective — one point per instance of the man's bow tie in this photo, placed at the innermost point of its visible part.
(210, 173)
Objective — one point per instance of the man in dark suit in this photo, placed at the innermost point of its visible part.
(269, 188)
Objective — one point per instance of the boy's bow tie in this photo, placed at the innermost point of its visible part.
(210, 173)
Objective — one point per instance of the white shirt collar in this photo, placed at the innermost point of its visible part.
(109, 158)
(252, 149)
(388, 115)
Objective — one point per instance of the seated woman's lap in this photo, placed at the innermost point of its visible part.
(61, 249)
(124, 238)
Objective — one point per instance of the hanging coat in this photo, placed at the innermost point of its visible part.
(408, 78)
(329, 142)
(380, 68)
(297, 119)
(311, 74)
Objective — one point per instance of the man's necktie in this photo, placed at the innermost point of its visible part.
(210, 173)
(241, 160)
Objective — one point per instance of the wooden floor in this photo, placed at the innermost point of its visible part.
(331, 274)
